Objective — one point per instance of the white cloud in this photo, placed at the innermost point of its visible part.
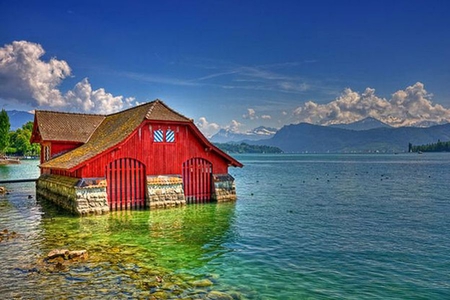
(207, 128)
(294, 86)
(26, 78)
(409, 107)
(234, 126)
(251, 114)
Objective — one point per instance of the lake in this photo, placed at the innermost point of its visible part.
(304, 227)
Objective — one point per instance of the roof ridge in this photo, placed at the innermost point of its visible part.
(68, 113)
(131, 108)
(158, 101)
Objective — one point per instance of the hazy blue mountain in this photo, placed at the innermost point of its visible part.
(18, 118)
(226, 135)
(364, 124)
(310, 138)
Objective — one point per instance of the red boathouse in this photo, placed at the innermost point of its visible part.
(146, 156)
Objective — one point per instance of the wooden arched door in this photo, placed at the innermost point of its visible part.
(197, 180)
(126, 182)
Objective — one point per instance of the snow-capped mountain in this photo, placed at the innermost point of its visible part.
(227, 135)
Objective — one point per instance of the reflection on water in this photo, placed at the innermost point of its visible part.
(176, 238)
(158, 253)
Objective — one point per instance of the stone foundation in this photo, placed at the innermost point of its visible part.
(165, 191)
(88, 196)
(224, 188)
(79, 196)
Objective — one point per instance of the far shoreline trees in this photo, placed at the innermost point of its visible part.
(434, 147)
(246, 148)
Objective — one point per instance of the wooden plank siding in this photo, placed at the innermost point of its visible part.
(58, 148)
(197, 179)
(159, 158)
(126, 184)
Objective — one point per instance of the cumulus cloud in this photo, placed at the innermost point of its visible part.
(251, 114)
(207, 128)
(234, 126)
(409, 107)
(26, 78)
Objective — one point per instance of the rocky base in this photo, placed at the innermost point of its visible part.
(165, 191)
(224, 188)
(85, 197)
(67, 193)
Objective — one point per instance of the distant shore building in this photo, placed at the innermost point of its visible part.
(145, 156)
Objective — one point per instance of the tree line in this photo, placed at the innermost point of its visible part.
(16, 142)
(434, 147)
(246, 148)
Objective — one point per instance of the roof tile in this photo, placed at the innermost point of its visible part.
(68, 127)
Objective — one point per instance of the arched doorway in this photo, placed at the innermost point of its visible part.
(197, 180)
(126, 182)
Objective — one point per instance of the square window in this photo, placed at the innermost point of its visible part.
(158, 136)
(170, 136)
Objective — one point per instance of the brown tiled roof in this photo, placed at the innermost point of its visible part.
(159, 111)
(113, 130)
(68, 127)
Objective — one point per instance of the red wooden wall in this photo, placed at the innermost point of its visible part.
(58, 148)
(159, 158)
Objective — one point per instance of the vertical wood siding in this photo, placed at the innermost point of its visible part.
(126, 184)
(159, 158)
(197, 178)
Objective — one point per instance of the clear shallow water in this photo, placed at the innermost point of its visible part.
(305, 226)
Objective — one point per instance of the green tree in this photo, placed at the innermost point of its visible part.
(20, 141)
(4, 130)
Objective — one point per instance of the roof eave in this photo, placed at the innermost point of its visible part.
(231, 161)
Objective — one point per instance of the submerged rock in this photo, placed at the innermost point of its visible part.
(61, 259)
(66, 254)
(216, 295)
(202, 283)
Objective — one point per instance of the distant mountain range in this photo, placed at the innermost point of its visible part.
(259, 133)
(308, 138)
(368, 135)
(18, 118)
(364, 124)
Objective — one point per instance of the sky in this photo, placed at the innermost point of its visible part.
(234, 65)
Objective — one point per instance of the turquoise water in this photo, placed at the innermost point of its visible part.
(304, 227)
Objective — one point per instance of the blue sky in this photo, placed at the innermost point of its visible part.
(231, 64)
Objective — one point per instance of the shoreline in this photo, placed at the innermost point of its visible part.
(9, 161)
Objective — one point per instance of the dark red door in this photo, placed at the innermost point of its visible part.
(126, 182)
(197, 179)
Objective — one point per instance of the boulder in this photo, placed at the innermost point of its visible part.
(66, 254)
